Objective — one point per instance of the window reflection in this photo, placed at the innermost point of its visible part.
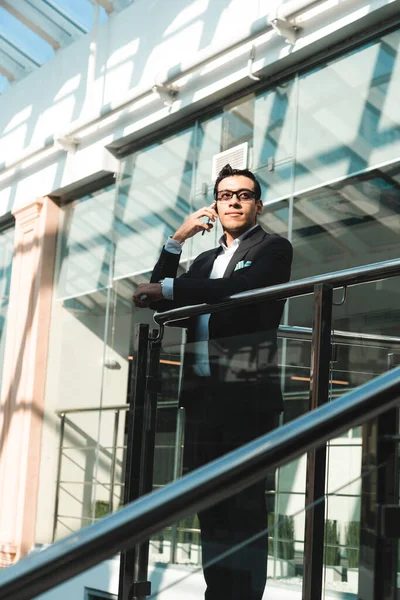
(153, 199)
(348, 115)
(85, 246)
(350, 223)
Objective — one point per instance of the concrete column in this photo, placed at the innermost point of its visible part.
(24, 374)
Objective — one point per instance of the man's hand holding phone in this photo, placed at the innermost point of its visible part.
(194, 224)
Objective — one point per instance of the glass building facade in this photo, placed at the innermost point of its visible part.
(325, 146)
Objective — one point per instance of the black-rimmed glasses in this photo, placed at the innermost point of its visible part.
(243, 195)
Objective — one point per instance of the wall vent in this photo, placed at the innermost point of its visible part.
(236, 157)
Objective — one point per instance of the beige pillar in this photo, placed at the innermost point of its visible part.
(24, 374)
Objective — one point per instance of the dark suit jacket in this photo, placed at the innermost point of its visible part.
(242, 341)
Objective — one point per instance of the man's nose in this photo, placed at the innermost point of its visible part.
(234, 201)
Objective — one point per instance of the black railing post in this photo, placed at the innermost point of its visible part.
(134, 449)
(380, 511)
(141, 587)
(316, 460)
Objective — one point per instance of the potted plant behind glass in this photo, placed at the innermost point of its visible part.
(281, 534)
(352, 535)
(332, 559)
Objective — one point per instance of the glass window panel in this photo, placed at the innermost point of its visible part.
(277, 181)
(273, 125)
(238, 120)
(348, 114)
(275, 216)
(273, 140)
(342, 518)
(74, 381)
(266, 123)
(209, 143)
(153, 199)
(354, 222)
(76, 374)
(86, 244)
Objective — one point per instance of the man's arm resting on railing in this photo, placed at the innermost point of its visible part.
(270, 266)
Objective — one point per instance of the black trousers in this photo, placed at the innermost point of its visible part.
(233, 532)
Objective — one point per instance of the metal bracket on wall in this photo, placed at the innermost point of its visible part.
(67, 142)
(250, 64)
(167, 93)
(286, 29)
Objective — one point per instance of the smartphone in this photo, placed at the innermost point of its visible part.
(214, 206)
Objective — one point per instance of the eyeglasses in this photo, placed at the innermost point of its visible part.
(243, 195)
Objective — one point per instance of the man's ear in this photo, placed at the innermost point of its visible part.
(216, 207)
(259, 207)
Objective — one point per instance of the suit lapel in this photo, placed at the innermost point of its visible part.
(253, 238)
(205, 266)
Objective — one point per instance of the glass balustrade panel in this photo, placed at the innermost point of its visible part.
(366, 343)
(216, 396)
(188, 556)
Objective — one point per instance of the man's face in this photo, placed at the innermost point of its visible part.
(236, 215)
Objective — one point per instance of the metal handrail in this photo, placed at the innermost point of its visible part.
(121, 407)
(349, 337)
(301, 287)
(212, 483)
(83, 409)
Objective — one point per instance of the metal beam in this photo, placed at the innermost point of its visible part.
(56, 24)
(108, 6)
(121, 4)
(7, 74)
(16, 54)
(30, 24)
(57, 15)
(12, 66)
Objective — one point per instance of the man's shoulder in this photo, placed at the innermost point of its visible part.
(275, 239)
(256, 237)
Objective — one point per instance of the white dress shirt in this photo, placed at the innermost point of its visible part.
(200, 350)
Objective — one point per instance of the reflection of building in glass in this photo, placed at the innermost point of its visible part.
(96, 172)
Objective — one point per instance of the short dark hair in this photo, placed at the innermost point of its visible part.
(227, 171)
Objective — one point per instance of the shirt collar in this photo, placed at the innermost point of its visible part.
(237, 241)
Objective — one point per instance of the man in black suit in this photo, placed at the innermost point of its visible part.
(231, 384)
